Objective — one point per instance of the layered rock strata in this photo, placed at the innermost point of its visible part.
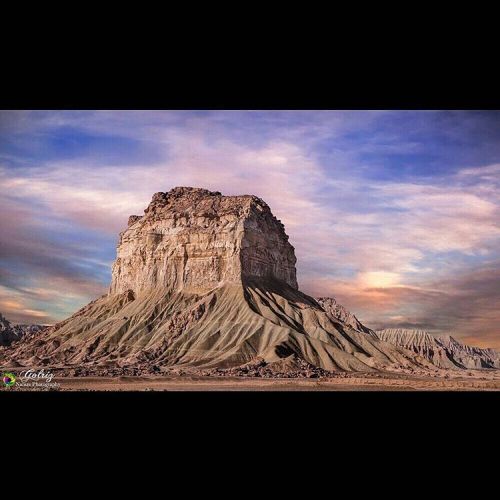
(442, 351)
(194, 240)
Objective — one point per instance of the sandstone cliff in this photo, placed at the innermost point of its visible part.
(193, 240)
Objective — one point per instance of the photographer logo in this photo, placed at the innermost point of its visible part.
(31, 379)
(8, 379)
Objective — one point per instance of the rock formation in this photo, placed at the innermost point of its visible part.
(338, 311)
(194, 240)
(6, 333)
(12, 333)
(442, 351)
(206, 281)
(468, 356)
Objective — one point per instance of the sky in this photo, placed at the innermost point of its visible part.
(394, 213)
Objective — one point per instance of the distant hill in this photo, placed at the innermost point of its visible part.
(443, 351)
(10, 333)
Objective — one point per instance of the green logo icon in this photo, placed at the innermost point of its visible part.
(9, 379)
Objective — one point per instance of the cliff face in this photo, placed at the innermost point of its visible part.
(193, 240)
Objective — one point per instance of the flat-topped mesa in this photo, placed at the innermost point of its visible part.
(193, 239)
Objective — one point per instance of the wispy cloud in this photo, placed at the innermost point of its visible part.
(386, 241)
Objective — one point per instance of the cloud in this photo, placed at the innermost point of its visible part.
(17, 310)
(46, 270)
(386, 246)
(464, 305)
(52, 214)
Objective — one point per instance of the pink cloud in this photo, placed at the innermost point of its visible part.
(384, 228)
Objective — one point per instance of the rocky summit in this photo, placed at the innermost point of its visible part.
(204, 281)
(194, 240)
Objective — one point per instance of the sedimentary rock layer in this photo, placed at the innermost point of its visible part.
(194, 240)
(442, 351)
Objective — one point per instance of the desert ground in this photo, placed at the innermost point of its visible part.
(355, 382)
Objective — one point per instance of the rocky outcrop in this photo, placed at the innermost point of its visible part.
(442, 351)
(338, 311)
(194, 239)
(7, 336)
(12, 333)
(469, 356)
(421, 343)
